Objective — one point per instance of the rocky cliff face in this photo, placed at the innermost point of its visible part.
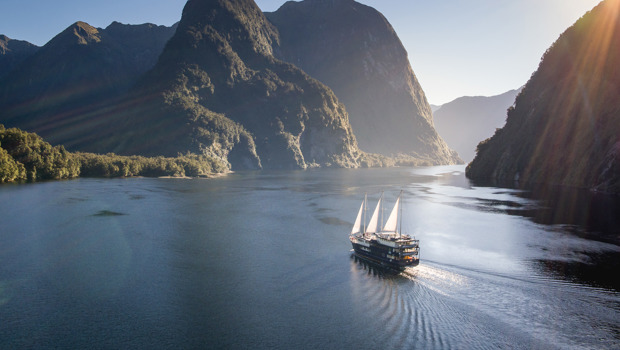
(217, 89)
(466, 121)
(13, 52)
(565, 125)
(354, 50)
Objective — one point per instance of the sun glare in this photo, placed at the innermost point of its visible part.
(579, 62)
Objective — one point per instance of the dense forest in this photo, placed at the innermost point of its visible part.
(26, 156)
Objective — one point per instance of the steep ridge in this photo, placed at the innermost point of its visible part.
(466, 121)
(565, 125)
(354, 50)
(13, 52)
(218, 90)
(77, 71)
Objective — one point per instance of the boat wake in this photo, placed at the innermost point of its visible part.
(436, 279)
(526, 306)
(409, 312)
(439, 306)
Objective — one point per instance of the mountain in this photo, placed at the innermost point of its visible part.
(77, 71)
(466, 121)
(13, 52)
(434, 108)
(354, 50)
(564, 127)
(217, 89)
(221, 85)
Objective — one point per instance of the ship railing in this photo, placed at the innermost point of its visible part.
(360, 241)
(388, 242)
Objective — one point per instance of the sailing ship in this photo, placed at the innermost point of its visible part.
(386, 245)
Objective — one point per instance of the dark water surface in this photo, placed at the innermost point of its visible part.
(262, 260)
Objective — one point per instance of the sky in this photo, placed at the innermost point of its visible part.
(456, 47)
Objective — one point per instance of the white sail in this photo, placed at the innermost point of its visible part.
(357, 226)
(373, 225)
(392, 221)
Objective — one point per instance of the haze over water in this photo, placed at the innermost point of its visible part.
(263, 260)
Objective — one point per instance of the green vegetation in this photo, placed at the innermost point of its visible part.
(9, 169)
(27, 157)
(112, 165)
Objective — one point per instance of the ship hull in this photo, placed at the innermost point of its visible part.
(377, 254)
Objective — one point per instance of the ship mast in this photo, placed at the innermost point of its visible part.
(381, 209)
(401, 213)
(365, 208)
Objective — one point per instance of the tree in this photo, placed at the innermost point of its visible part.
(9, 169)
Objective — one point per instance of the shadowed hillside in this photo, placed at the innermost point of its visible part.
(78, 71)
(13, 52)
(565, 125)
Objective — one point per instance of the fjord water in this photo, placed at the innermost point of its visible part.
(262, 260)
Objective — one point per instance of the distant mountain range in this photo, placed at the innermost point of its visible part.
(228, 82)
(466, 121)
(565, 125)
(80, 70)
